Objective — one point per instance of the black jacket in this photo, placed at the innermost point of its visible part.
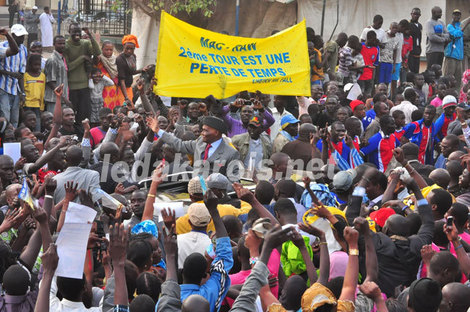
(416, 34)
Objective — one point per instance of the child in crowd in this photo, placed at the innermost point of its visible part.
(96, 84)
(34, 87)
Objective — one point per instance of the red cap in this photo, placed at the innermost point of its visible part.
(355, 104)
(380, 216)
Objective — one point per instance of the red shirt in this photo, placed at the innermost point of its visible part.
(97, 135)
(370, 56)
(407, 46)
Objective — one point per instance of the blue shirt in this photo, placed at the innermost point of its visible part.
(14, 63)
(370, 115)
(455, 48)
(216, 287)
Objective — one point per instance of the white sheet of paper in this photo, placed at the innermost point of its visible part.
(178, 207)
(71, 249)
(166, 100)
(354, 92)
(77, 213)
(13, 150)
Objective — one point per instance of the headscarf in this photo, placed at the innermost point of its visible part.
(131, 39)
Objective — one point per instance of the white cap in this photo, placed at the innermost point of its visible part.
(449, 100)
(34, 8)
(18, 30)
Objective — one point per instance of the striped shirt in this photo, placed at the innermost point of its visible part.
(15, 63)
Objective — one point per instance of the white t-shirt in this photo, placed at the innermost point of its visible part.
(399, 35)
(380, 33)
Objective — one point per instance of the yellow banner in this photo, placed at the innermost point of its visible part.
(194, 62)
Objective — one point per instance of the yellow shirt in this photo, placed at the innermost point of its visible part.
(34, 88)
(183, 226)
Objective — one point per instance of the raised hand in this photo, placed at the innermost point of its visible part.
(70, 190)
(40, 215)
(311, 230)
(371, 290)
(351, 235)
(119, 189)
(243, 193)
(118, 244)
(399, 156)
(362, 225)
(252, 241)
(59, 90)
(50, 259)
(210, 200)
(426, 254)
(12, 219)
(321, 211)
(297, 239)
(86, 125)
(168, 217)
(158, 176)
(170, 242)
(152, 123)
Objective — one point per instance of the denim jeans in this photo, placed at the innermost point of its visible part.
(10, 107)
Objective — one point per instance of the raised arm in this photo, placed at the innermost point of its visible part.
(50, 259)
(57, 118)
(372, 265)
(260, 272)
(426, 231)
(324, 254)
(12, 45)
(157, 179)
(462, 256)
(44, 159)
(348, 292)
(117, 251)
(399, 156)
(247, 196)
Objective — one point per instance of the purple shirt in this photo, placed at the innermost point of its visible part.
(236, 126)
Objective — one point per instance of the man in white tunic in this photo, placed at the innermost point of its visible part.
(46, 20)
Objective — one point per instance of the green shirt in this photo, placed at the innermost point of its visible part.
(74, 55)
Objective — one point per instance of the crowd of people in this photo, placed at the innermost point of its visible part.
(353, 199)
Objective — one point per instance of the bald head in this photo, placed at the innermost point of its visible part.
(396, 225)
(305, 131)
(456, 298)
(195, 303)
(74, 155)
(441, 177)
(111, 149)
(456, 155)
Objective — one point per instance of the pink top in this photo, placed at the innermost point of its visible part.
(96, 136)
(273, 266)
(436, 102)
(465, 236)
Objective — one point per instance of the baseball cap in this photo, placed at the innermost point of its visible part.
(255, 121)
(456, 11)
(380, 216)
(18, 30)
(343, 180)
(464, 106)
(449, 100)
(217, 181)
(194, 186)
(198, 214)
(288, 120)
(34, 8)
